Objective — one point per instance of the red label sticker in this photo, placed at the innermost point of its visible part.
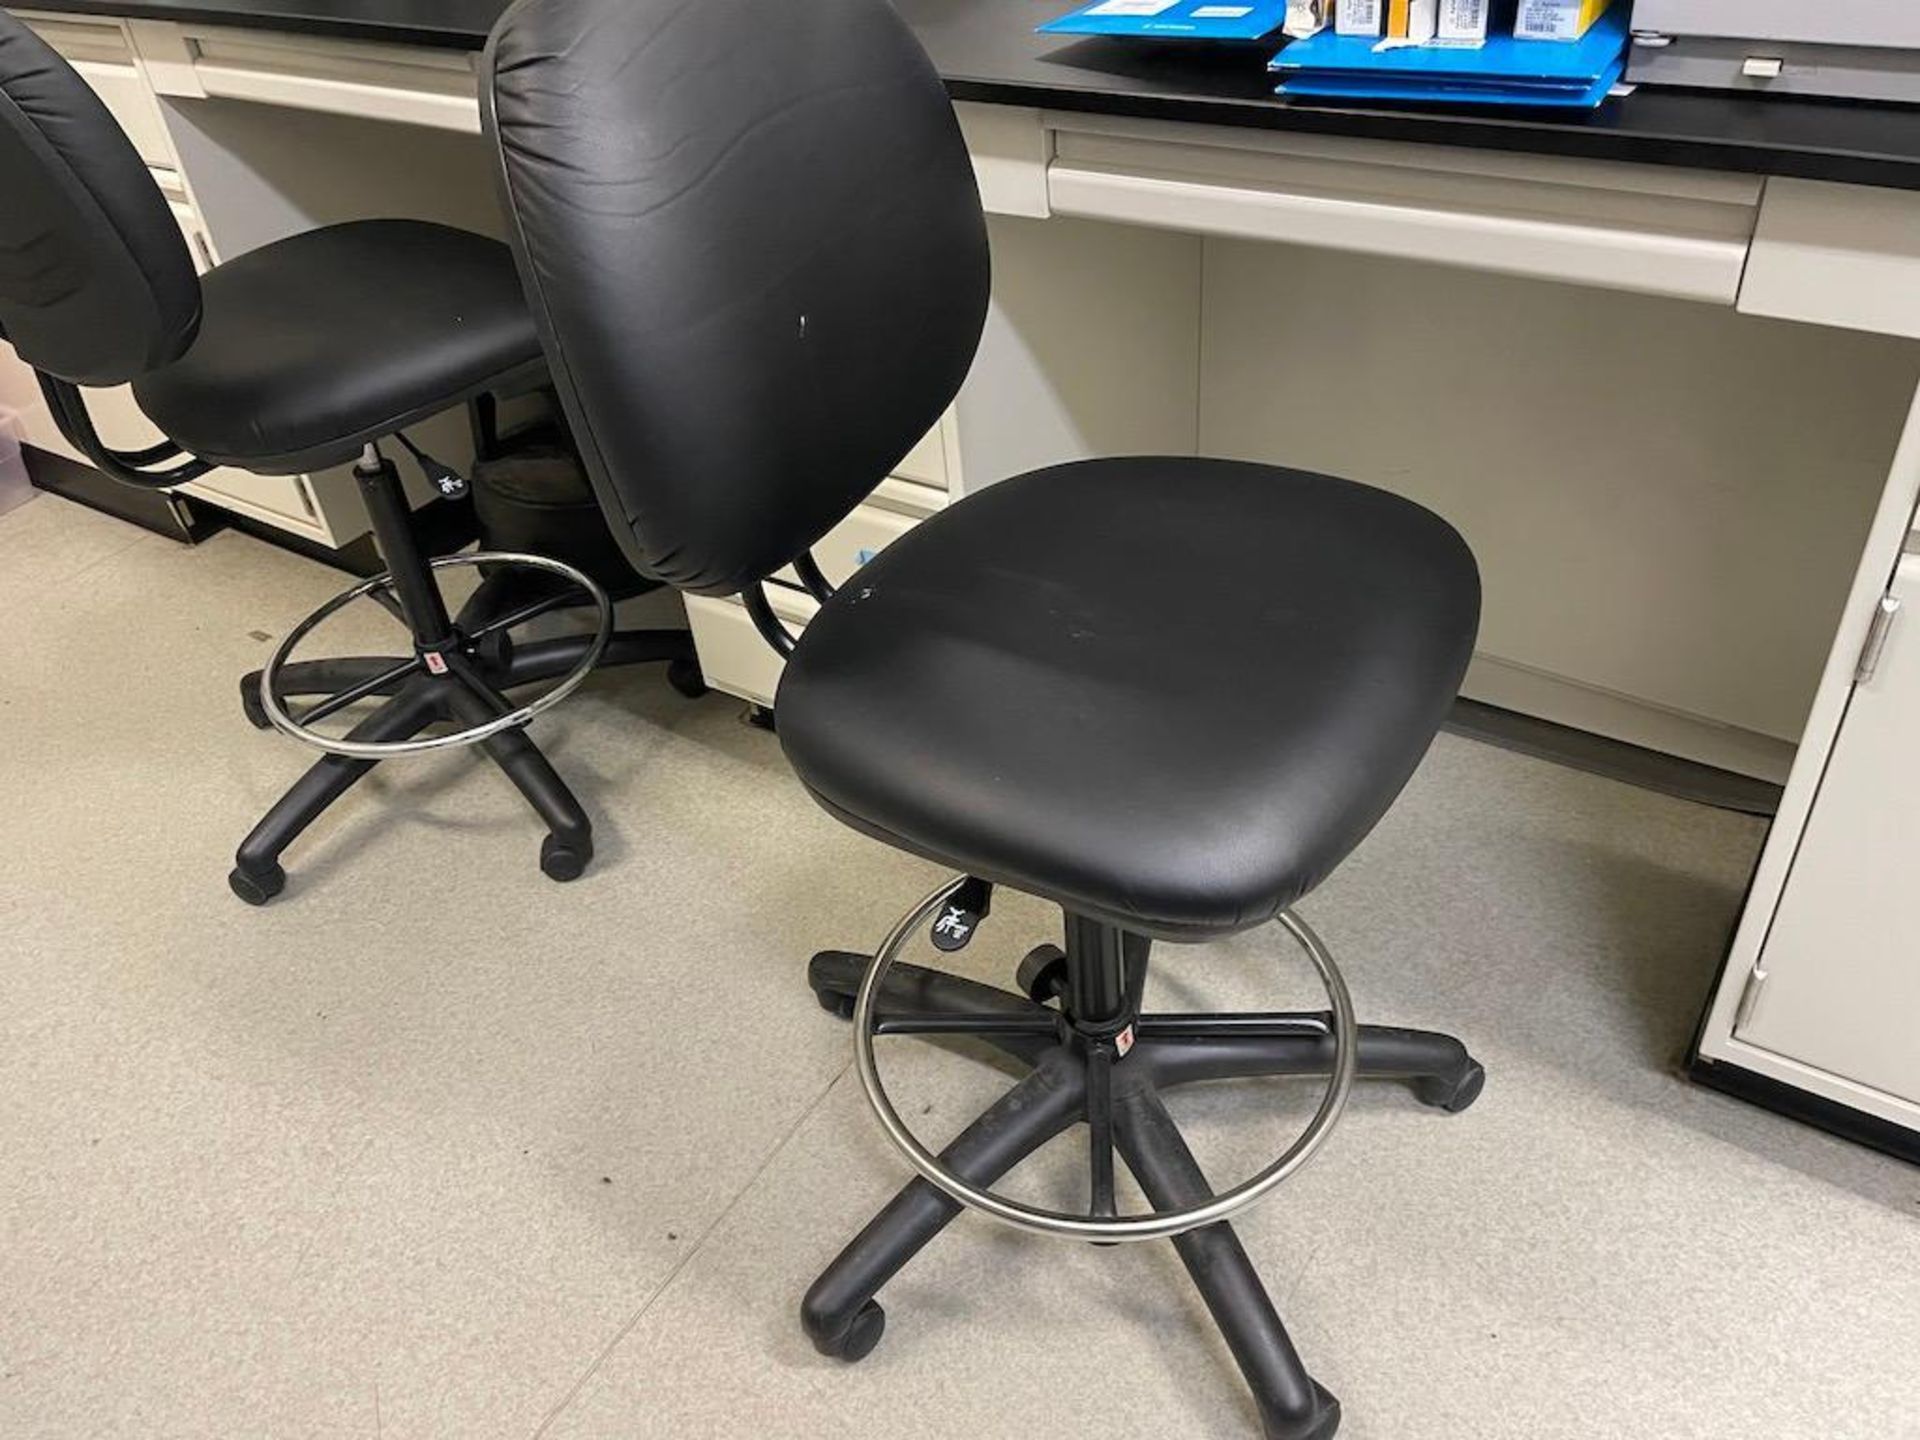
(1123, 1042)
(435, 662)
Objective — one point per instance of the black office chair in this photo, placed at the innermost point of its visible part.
(303, 354)
(1167, 694)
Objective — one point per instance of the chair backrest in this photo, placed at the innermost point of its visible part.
(751, 236)
(96, 285)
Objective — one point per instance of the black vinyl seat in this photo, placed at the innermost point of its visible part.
(314, 345)
(1179, 721)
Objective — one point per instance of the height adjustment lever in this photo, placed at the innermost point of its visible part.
(451, 484)
(953, 927)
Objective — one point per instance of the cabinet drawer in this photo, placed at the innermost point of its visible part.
(101, 52)
(278, 500)
(856, 540)
(926, 463)
(1659, 231)
(1841, 255)
(732, 655)
(412, 85)
(1009, 147)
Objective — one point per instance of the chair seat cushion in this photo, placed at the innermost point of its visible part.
(314, 345)
(1171, 694)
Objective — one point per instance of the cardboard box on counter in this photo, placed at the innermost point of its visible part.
(1359, 17)
(1557, 19)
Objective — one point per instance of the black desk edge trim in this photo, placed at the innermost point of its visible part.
(1466, 130)
(1815, 1110)
(1783, 1099)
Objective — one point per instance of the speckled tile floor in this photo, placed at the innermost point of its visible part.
(433, 1147)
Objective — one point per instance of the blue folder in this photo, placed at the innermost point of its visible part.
(1381, 87)
(1174, 19)
(1502, 71)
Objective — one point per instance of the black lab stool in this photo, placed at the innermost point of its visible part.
(303, 354)
(1167, 694)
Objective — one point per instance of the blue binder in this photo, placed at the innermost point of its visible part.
(1503, 71)
(1580, 97)
(1174, 19)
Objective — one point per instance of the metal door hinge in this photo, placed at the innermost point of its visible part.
(1749, 998)
(1883, 617)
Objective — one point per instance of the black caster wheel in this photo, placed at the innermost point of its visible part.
(1453, 1095)
(856, 1342)
(1043, 974)
(495, 653)
(256, 713)
(564, 860)
(1322, 1422)
(686, 676)
(257, 887)
(835, 1003)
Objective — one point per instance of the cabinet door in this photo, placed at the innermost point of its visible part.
(1842, 961)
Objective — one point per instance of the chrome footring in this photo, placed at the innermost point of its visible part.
(473, 735)
(1161, 1225)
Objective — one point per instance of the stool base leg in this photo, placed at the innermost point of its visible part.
(839, 1313)
(568, 847)
(257, 875)
(318, 677)
(1437, 1067)
(1292, 1405)
(835, 978)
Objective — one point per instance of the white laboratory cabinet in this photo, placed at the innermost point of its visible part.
(1838, 985)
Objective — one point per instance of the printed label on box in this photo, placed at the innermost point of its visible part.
(1358, 17)
(1133, 7)
(1463, 19)
(1556, 19)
